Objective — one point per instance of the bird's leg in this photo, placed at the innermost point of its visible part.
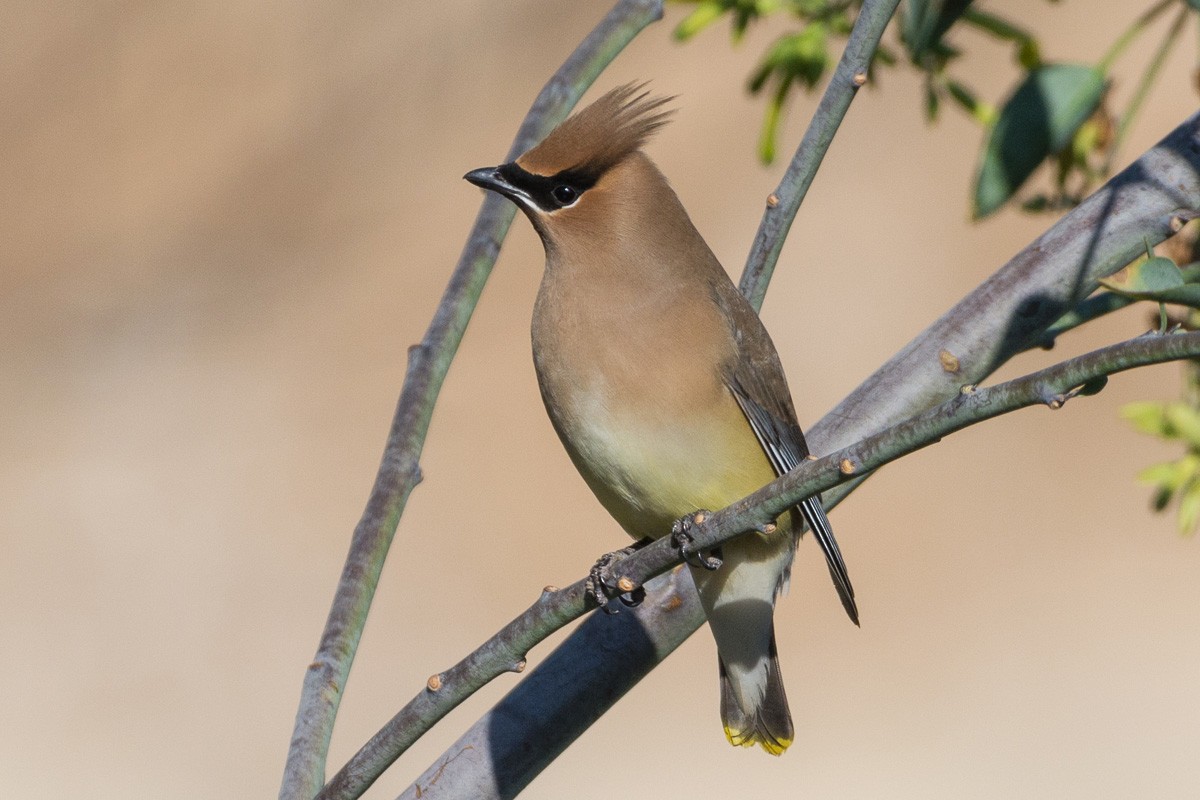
(682, 539)
(600, 588)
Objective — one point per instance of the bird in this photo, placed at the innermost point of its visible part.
(662, 383)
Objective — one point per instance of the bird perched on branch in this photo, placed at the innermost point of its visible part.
(662, 383)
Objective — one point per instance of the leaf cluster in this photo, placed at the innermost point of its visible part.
(1177, 479)
(1157, 278)
(1056, 112)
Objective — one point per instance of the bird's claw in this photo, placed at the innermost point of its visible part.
(682, 539)
(600, 588)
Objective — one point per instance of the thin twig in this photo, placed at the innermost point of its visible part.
(399, 470)
(1129, 34)
(784, 202)
(1143, 88)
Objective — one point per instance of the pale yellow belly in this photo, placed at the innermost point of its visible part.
(649, 465)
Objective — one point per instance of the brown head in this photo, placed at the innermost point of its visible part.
(587, 169)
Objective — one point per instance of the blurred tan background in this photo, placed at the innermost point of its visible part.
(224, 223)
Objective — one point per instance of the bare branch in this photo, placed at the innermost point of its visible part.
(399, 471)
(784, 202)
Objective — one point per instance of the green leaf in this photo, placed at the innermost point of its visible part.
(706, 13)
(1147, 417)
(1189, 469)
(1145, 277)
(1158, 273)
(982, 112)
(1189, 509)
(1184, 421)
(1156, 279)
(1029, 55)
(1172, 474)
(997, 26)
(1039, 119)
(1162, 498)
(1165, 474)
(924, 22)
(741, 21)
(801, 56)
(1036, 204)
(771, 117)
(808, 56)
(1090, 138)
(1171, 478)
(932, 102)
(758, 79)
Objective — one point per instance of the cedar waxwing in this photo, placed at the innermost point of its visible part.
(662, 382)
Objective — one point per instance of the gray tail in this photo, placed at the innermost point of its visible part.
(818, 523)
(770, 724)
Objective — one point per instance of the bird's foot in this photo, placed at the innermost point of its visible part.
(682, 539)
(600, 587)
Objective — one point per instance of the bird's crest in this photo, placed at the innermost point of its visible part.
(601, 135)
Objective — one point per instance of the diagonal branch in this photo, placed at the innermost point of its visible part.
(399, 470)
(1052, 387)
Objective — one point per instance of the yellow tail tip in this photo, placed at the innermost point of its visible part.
(750, 738)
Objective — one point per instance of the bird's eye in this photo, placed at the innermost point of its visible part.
(564, 195)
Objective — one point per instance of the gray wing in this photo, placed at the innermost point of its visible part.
(784, 444)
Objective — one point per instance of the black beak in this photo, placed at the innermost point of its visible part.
(491, 179)
(496, 179)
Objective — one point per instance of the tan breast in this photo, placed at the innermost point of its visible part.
(631, 377)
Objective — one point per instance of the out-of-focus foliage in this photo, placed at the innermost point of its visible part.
(1055, 113)
(1177, 480)
(802, 57)
(1157, 278)
(1039, 120)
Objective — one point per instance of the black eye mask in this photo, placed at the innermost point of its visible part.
(549, 193)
